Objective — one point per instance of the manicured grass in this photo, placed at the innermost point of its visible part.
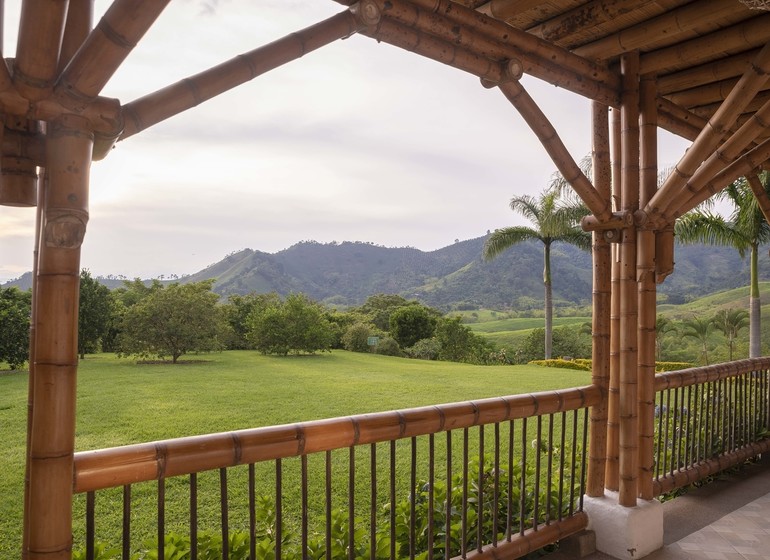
(121, 402)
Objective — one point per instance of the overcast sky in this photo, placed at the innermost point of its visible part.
(358, 141)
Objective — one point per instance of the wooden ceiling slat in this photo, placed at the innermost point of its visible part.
(37, 50)
(725, 42)
(715, 71)
(664, 29)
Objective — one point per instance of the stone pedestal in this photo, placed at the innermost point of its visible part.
(625, 532)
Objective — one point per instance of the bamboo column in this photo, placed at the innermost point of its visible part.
(647, 287)
(600, 324)
(48, 529)
(629, 440)
(613, 405)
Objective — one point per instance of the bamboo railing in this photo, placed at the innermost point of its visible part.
(500, 441)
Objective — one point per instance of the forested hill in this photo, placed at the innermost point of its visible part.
(456, 275)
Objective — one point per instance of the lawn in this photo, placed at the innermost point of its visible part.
(121, 402)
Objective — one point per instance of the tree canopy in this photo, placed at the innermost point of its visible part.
(14, 335)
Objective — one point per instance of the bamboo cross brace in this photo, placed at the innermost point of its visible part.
(177, 98)
(747, 163)
(105, 49)
(749, 85)
(546, 133)
(724, 156)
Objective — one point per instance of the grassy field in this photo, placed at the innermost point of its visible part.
(121, 402)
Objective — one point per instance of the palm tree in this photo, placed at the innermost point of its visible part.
(731, 322)
(745, 230)
(700, 329)
(663, 326)
(553, 221)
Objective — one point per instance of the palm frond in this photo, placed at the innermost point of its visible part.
(502, 239)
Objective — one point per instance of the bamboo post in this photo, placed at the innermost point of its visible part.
(48, 532)
(648, 159)
(600, 322)
(612, 473)
(549, 138)
(176, 98)
(629, 440)
(752, 81)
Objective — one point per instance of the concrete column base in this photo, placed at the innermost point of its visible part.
(625, 532)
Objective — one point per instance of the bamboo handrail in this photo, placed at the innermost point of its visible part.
(669, 25)
(104, 50)
(546, 133)
(533, 540)
(698, 375)
(176, 98)
(750, 34)
(117, 466)
(546, 61)
(37, 50)
(750, 83)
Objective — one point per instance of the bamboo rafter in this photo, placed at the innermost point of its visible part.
(763, 200)
(719, 70)
(749, 85)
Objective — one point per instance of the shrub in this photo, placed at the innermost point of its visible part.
(672, 366)
(425, 349)
(560, 363)
(388, 347)
(356, 338)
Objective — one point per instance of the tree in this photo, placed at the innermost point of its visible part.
(173, 321)
(458, 343)
(745, 230)
(731, 322)
(93, 313)
(553, 221)
(15, 307)
(237, 311)
(297, 324)
(700, 329)
(412, 323)
(379, 307)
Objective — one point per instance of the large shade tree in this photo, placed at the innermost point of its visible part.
(554, 218)
(745, 229)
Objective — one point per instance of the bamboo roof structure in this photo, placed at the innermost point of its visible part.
(697, 68)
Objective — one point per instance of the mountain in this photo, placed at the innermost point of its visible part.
(452, 277)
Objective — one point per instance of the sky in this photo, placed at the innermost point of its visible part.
(358, 141)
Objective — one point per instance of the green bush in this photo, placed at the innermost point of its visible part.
(564, 364)
(672, 366)
(388, 347)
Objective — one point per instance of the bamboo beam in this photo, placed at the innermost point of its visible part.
(48, 533)
(37, 49)
(671, 25)
(717, 70)
(708, 94)
(541, 59)
(679, 120)
(707, 111)
(744, 165)
(612, 473)
(629, 428)
(600, 322)
(177, 98)
(546, 133)
(646, 281)
(104, 50)
(80, 17)
(752, 33)
(763, 200)
(721, 158)
(750, 83)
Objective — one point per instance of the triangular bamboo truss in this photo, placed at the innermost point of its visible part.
(696, 68)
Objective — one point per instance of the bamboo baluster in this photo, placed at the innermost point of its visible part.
(37, 50)
(750, 83)
(723, 157)
(646, 259)
(670, 25)
(629, 440)
(742, 166)
(105, 48)
(48, 533)
(80, 17)
(546, 133)
(176, 98)
(752, 33)
(612, 473)
(600, 324)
